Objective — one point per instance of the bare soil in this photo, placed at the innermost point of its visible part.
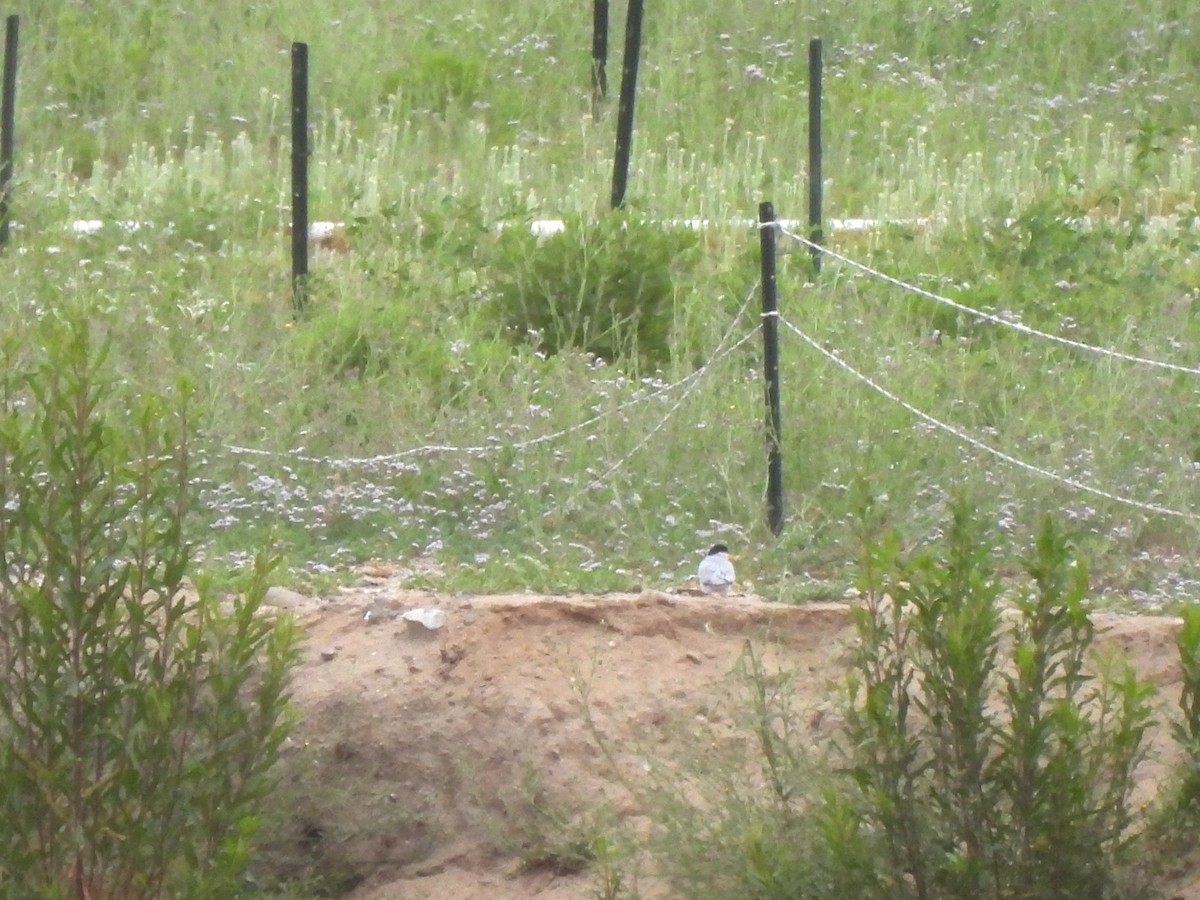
(428, 765)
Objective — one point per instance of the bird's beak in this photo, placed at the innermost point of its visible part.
(730, 556)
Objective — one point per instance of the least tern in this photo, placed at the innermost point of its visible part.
(716, 571)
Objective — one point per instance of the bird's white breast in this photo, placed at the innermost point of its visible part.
(715, 571)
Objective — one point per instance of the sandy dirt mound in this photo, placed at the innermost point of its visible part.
(421, 756)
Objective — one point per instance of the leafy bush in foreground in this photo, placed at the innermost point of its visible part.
(1183, 807)
(138, 719)
(986, 758)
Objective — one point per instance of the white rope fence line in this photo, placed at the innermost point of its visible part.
(689, 380)
(990, 317)
(965, 438)
(718, 354)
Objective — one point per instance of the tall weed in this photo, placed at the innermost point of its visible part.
(986, 760)
(1186, 802)
(138, 717)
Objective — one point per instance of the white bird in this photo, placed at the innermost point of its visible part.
(716, 571)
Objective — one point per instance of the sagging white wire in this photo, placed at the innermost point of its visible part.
(478, 450)
(978, 313)
(719, 353)
(965, 438)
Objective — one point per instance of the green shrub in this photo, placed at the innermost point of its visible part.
(609, 287)
(985, 760)
(1186, 800)
(138, 717)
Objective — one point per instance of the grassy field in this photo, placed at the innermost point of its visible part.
(576, 412)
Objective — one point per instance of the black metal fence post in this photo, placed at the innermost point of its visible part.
(815, 183)
(8, 103)
(599, 51)
(770, 332)
(629, 73)
(299, 174)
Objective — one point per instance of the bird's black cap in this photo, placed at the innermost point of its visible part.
(718, 548)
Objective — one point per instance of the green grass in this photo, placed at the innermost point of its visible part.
(1004, 126)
